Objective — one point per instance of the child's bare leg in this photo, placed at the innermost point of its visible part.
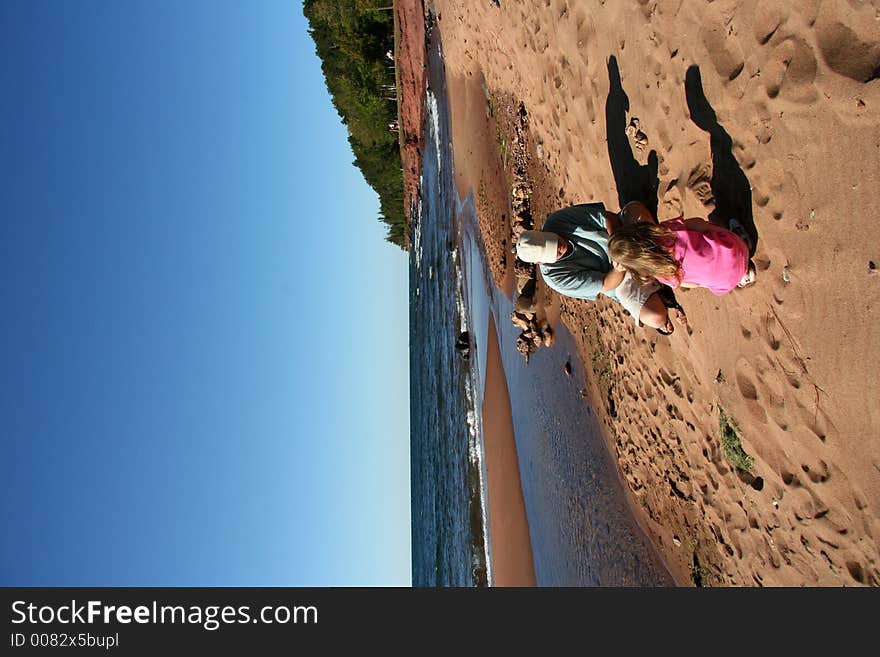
(656, 314)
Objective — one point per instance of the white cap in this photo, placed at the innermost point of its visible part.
(537, 246)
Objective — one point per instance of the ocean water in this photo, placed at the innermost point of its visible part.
(448, 521)
(582, 531)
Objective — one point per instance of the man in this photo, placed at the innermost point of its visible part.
(572, 251)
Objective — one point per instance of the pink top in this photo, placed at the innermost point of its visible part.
(716, 259)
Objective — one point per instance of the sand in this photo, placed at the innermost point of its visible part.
(766, 111)
(511, 549)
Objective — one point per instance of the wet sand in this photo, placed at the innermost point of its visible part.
(558, 513)
(512, 563)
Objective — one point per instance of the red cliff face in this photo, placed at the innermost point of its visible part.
(410, 63)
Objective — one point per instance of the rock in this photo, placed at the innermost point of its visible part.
(525, 287)
(633, 127)
(525, 346)
(524, 269)
(526, 305)
(567, 368)
(549, 337)
(463, 345)
(519, 320)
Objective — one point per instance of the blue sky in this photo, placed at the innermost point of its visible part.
(205, 336)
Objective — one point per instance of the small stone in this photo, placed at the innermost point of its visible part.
(676, 541)
(633, 128)
(519, 320)
(786, 274)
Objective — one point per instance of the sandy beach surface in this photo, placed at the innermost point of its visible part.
(769, 112)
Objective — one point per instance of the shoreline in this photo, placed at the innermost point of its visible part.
(564, 491)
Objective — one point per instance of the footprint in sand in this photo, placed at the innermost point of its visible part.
(745, 376)
(849, 39)
(759, 197)
(768, 17)
(789, 478)
(819, 424)
(791, 71)
(724, 49)
(818, 473)
(856, 571)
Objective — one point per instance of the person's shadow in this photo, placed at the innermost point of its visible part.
(634, 181)
(730, 186)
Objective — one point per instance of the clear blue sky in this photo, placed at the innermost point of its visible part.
(204, 334)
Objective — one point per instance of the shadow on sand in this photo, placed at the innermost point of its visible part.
(634, 181)
(730, 186)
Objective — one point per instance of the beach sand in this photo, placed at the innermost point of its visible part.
(769, 112)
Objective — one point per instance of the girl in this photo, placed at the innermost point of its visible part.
(684, 252)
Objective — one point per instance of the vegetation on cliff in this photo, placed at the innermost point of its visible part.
(352, 38)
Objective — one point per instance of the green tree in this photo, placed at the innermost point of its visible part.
(351, 38)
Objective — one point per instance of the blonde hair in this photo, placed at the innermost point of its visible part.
(646, 250)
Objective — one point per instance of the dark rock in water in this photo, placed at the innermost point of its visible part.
(567, 368)
(463, 345)
(525, 345)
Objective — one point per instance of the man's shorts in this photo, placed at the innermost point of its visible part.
(632, 295)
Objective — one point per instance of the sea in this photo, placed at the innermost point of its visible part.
(582, 530)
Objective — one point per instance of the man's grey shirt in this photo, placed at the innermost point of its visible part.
(580, 273)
